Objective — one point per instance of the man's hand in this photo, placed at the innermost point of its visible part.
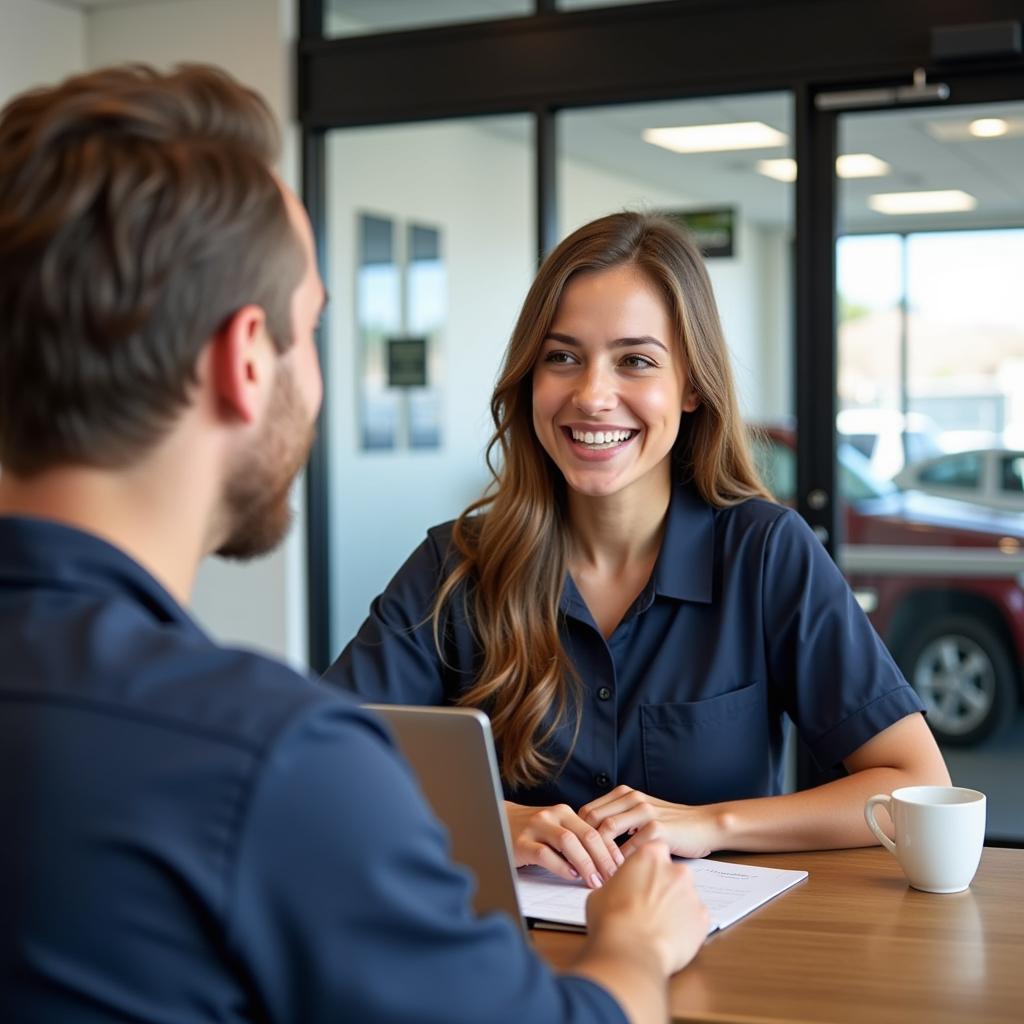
(557, 838)
(647, 923)
(652, 903)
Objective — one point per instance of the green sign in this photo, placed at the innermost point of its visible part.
(712, 230)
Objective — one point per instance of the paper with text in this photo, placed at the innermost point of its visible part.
(730, 891)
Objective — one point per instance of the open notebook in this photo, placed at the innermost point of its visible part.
(451, 750)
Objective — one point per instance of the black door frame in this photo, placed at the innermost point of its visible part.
(816, 342)
(551, 61)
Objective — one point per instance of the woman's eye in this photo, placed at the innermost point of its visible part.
(635, 362)
(559, 358)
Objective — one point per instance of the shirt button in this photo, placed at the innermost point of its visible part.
(604, 693)
(602, 779)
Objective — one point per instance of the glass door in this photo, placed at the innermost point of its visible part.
(930, 418)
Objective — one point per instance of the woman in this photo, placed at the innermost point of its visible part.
(627, 602)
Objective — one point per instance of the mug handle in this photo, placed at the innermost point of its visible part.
(869, 814)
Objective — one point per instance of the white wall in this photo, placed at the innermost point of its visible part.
(40, 42)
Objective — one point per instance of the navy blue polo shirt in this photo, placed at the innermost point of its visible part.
(192, 833)
(744, 620)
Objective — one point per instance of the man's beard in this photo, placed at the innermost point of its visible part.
(257, 492)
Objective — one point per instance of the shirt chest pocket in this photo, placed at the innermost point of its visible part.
(708, 750)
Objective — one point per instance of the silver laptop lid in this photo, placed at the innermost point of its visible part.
(451, 750)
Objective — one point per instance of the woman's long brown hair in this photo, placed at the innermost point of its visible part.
(512, 543)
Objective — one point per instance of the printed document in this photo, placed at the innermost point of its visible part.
(729, 891)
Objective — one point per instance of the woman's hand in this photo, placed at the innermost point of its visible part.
(687, 831)
(557, 838)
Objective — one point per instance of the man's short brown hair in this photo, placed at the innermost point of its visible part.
(138, 212)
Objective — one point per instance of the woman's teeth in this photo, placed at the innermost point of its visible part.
(601, 438)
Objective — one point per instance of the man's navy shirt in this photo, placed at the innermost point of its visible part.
(745, 619)
(192, 833)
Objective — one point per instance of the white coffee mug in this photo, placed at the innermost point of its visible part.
(940, 832)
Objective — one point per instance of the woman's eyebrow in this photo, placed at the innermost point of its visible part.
(642, 339)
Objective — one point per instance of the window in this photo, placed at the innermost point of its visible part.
(962, 470)
(1012, 475)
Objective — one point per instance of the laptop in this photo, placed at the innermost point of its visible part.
(451, 751)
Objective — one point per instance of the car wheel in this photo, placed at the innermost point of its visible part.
(960, 668)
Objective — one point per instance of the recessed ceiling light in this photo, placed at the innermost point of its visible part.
(951, 130)
(988, 127)
(783, 169)
(938, 201)
(849, 165)
(716, 138)
(861, 165)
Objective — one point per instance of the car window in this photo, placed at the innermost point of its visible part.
(856, 479)
(961, 470)
(1012, 475)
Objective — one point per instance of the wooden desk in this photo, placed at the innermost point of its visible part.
(854, 943)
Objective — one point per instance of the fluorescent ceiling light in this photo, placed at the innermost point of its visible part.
(861, 165)
(978, 128)
(939, 201)
(849, 165)
(716, 138)
(783, 169)
(988, 127)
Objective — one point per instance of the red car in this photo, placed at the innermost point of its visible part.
(941, 581)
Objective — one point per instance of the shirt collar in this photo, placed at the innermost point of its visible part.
(40, 553)
(684, 570)
(685, 566)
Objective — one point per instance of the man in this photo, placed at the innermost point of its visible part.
(192, 833)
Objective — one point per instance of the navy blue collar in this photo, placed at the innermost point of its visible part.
(40, 553)
(685, 566)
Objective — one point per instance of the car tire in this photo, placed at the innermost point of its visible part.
(961, 669)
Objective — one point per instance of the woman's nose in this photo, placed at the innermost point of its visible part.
(595, 391)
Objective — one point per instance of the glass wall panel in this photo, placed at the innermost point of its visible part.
(931, 421)
(426, 272)
(358, 17)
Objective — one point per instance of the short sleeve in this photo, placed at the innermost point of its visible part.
(345, 905)
(841, 686)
